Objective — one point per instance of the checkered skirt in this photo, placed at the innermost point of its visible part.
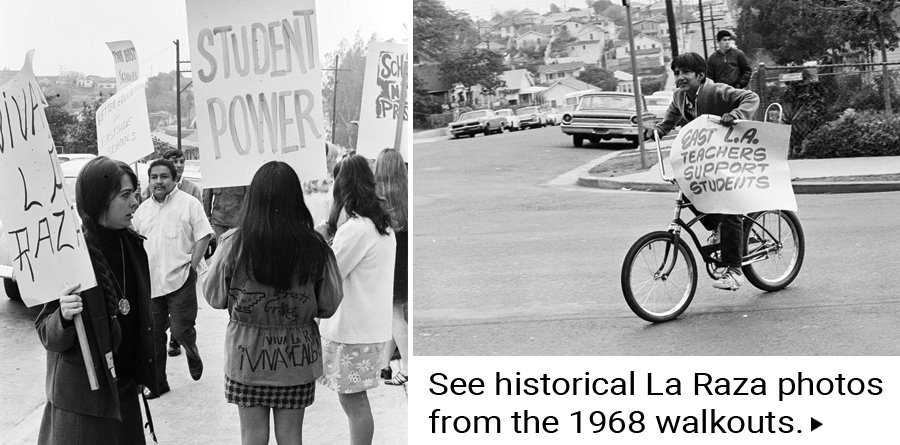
(286, 397)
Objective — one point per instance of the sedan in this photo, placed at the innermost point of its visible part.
(606, 115)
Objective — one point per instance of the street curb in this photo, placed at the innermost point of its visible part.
(585, 179)
(429, 134)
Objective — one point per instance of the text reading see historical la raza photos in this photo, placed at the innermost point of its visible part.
(693, 420)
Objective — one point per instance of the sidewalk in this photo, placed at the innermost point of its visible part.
(829, 175)
(195, 413)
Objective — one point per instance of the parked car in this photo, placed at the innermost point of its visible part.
(66, 157)
(512, 121)
(480, 121)
(658, 105)
(554, 116)
(603, 116)
(531, 117)
(10, 286)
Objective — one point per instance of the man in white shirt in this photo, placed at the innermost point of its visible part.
(177, 233)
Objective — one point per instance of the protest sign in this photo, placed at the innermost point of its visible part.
(125, 58)
(386, 66)
(40, 227)
(258, 88)
(123, 126)
(734, 170)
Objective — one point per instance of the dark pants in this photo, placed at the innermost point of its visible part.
(179, 311)
(731, 235)
(59, 426)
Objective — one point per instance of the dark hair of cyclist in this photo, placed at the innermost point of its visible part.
(690, 62)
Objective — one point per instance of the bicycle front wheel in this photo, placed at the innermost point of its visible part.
(774, 247)
(657, 282)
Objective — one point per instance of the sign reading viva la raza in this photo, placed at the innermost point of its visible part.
(123, 127)
(45, 242)
(257, 88)
(386, 65)
(734, 170)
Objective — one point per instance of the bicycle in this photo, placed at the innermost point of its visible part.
(659, 274)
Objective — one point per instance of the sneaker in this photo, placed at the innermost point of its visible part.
(731, 280)
(174, 348)
(713, 237)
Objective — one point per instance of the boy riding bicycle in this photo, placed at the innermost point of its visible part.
(696, 95)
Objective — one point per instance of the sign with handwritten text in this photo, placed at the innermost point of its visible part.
(386, 65)
(40, 228)
(125, 59)
(734, 170)
(123, 126)
(257, 87)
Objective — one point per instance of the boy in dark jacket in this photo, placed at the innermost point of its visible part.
(728, 64)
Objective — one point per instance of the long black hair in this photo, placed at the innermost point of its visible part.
(391, 177)
(356, 185)
(99, 182)
(276, 240)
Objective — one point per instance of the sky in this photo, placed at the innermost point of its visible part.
(72, 35)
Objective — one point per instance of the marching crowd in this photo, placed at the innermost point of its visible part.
(307, 303)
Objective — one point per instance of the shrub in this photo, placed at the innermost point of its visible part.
(866, 133)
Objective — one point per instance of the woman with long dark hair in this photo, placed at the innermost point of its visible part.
(116, 317)
(390, 176)
(354, 338)
(275, 275)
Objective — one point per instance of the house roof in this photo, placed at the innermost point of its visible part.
(573, 83)
(556, 67)
(515, 79)
(622, 76)
(540, 34)
(584, 42)
(639, 36)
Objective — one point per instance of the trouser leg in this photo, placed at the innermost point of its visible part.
(732, 235)
(160, 315)
(183, 315)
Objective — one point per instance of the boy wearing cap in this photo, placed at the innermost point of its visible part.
(728, 64)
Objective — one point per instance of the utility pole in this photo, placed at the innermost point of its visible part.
(703, 31)
(398, 134)
(673, 31)
(638, 100)
(178, 89)
(334, 98)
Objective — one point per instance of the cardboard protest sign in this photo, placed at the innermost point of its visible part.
(734, 170)
(123, 126)
(40, 227)
(125, 58)
(386, 66)
(257, 87)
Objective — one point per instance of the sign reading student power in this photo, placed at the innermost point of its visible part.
(386, 66)
(734, 170)
(257, 88)
(43, 235)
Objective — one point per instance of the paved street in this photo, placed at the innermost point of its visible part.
(512, 258)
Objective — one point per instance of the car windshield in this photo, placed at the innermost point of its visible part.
(606, 103)
(661, 101)
(473, 115)
(526, 110)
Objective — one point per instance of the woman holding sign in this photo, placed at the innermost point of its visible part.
(696, 95)
(275, 275)
(116, 317)
(354, 338)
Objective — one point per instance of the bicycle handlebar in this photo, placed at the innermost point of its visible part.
(662, 164)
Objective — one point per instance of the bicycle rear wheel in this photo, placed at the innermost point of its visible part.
(774, 245)
(657, 284)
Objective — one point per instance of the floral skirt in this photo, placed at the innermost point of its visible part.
(351, 368)
(286, 397)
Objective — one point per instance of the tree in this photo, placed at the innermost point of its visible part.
(599, 77)
(560, 41)
(600, 6)
(469, 68)
(554, 9)
(439, 30)
(84, 131)
(160, 92)
(350, 77)
(60, 120)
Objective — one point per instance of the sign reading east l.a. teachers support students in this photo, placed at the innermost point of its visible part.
(43, 234)
(734, 170)
(257, 88)
(386, 66)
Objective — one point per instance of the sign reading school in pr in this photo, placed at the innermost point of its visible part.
(734, 170)
(45, 242)
(386, 66)
(257, 88)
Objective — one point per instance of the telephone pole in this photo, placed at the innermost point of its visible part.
(334, 97)
(178, 89)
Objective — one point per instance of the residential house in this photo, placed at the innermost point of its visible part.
(606, 24)
(648, 52)
(429, 74)
(587, 51)
(106, 84)
(533, 39)
(518, 23)
(85, 81)
(592, 31)
(553, 72)
(625, 81)
(571, 26)
(520, 89)
(557, 18)
(555, 93)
